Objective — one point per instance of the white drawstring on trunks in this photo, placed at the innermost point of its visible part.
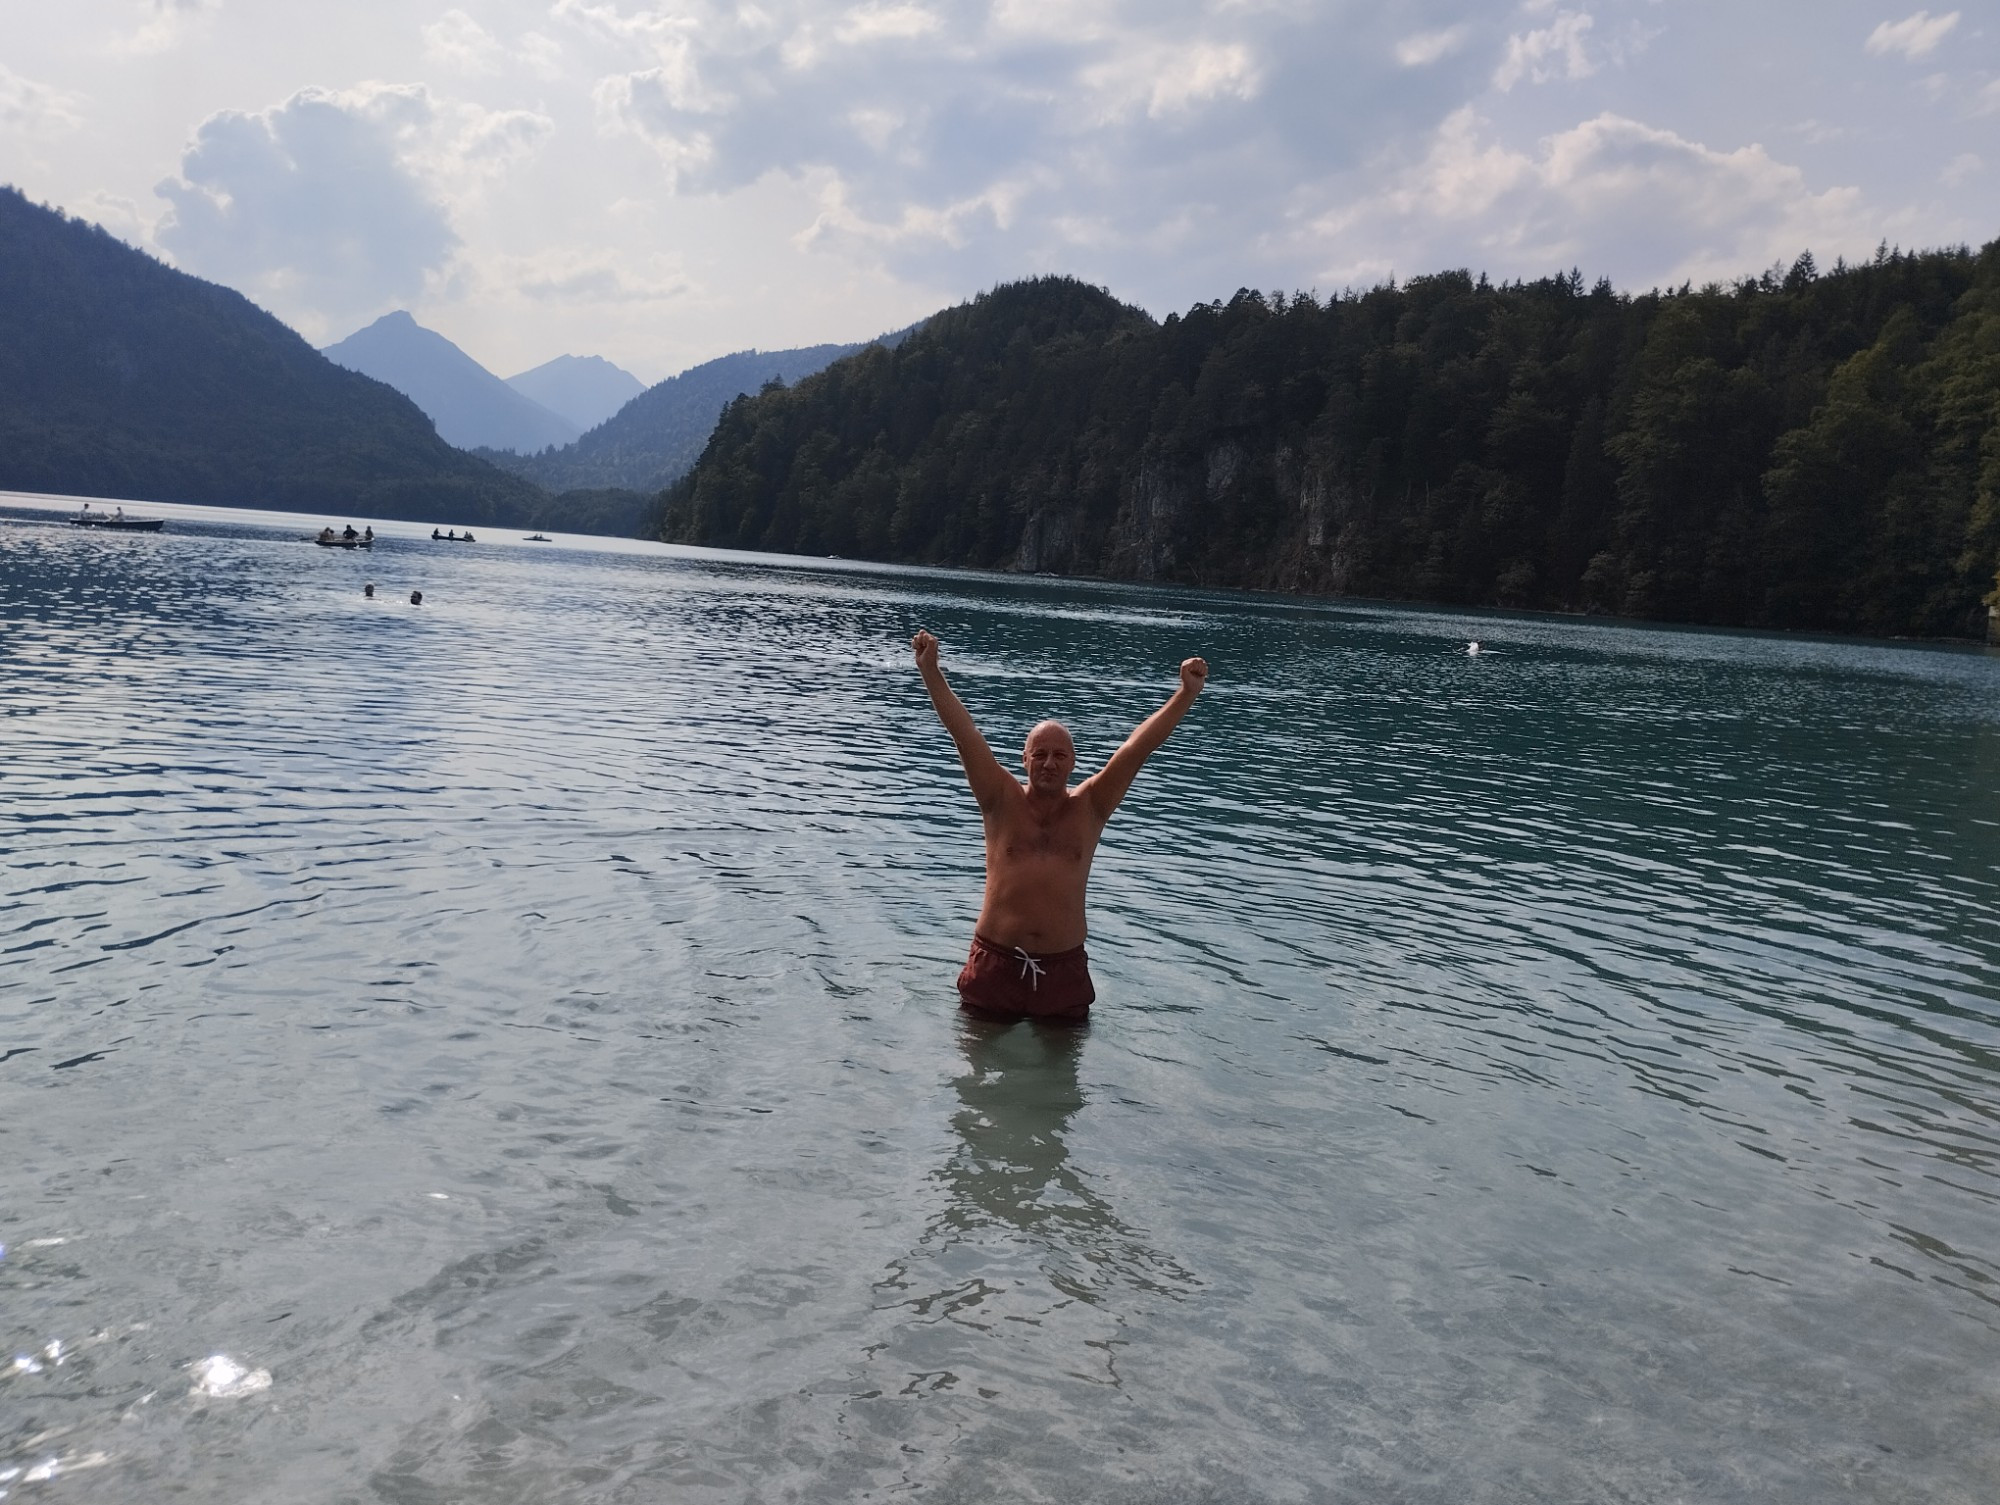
(1030, 969)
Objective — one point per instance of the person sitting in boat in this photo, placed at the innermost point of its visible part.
(436, 537)
(326, 535)
(118, 516)
(468, 536)
(368, 534)
(348, 532)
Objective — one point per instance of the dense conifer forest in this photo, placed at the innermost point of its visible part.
(1809, 448)
(121, 377)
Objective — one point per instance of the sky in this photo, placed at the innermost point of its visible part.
(662, 183)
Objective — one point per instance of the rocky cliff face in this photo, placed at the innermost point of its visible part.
(1162, 530)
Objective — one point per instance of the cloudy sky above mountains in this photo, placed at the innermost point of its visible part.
(664, 182)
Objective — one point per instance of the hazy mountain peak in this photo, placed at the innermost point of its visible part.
(469, 404)
(585, 389)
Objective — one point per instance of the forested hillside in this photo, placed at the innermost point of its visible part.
(120, 377)
(1811, 450)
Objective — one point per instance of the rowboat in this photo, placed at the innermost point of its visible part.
(347, 538)
(117, 522)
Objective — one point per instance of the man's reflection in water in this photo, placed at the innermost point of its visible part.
(1011, 1174)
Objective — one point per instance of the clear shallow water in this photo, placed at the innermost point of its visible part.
(522, 1028)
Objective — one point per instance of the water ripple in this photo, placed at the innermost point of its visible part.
(522, 1026)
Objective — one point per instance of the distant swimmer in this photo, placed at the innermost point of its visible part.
(1027, 958)
(368, 590)
(416, 598)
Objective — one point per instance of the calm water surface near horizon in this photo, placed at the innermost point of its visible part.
(516, 1036)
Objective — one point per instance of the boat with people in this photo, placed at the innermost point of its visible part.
(347, 538)
(536, 538)
(454, 536)
(117, 521)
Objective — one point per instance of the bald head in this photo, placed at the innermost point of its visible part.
(1049, 756)
(1050, 729)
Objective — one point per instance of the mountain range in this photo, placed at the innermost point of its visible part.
(533, 425)
(121, 377)
(653, 439)
(471, 407)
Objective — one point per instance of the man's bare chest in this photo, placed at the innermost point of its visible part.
(1068, 839)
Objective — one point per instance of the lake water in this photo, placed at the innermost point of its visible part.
(521, 1027)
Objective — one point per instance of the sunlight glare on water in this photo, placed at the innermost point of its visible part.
(504, 1049)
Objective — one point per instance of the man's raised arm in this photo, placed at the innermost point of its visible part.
(990, 782)
(1107, 787)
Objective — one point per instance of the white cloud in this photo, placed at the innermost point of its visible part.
(1610, 194)
(1961, 170)
(1427, 47)
(1065, 21)
(875, 125)
(643, 105)
(313, 206)
(1913, 36)
(458, 41)
(808, 165)
(913, 120)
(119, 216)
(29, 109)
(1172, 79)
(483, 144)
(1819, 132)
(957, 146)
(667, 32)
(540, 54)
(952, 224)
(167, 23)
(569, 275)
(1553, 52)
(878, 23)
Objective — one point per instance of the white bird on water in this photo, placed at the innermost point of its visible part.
(1472, 649)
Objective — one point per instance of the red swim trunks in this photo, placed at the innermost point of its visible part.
(1005, 982)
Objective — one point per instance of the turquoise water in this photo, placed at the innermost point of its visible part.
(516, 1036)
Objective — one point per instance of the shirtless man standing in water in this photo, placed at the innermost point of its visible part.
(1027, 956)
